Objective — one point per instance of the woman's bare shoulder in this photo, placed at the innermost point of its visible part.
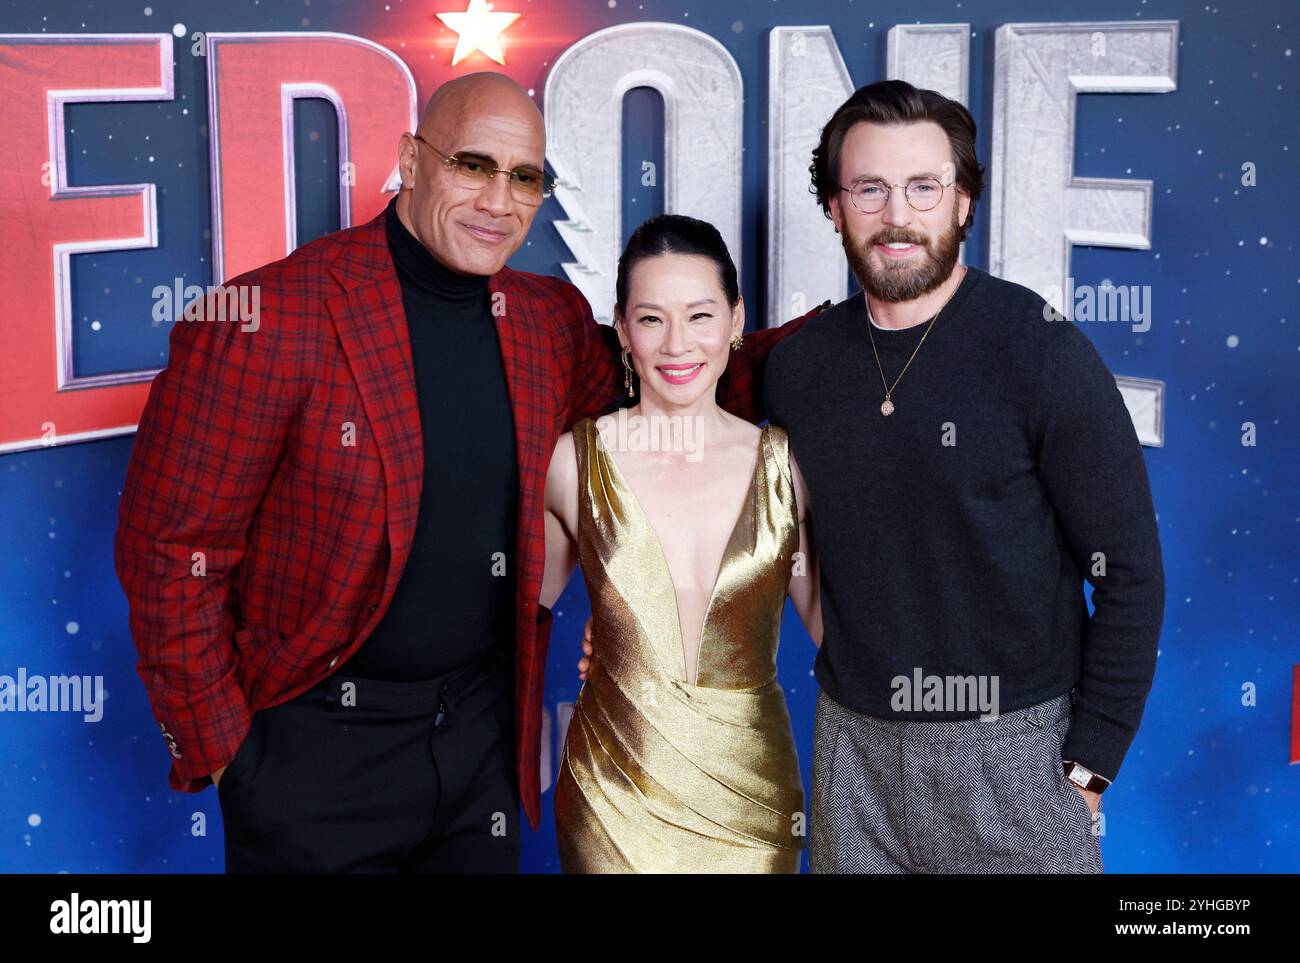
(563, 465)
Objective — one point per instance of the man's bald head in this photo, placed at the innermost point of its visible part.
(482, 91)
(471, 228)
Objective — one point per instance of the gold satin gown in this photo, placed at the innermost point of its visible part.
(659, 775)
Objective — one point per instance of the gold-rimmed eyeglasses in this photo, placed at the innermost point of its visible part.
(528, 185)
(871, 196)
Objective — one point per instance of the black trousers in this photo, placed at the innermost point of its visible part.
(359, 775)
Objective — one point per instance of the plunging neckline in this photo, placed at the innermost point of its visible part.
(617, 474)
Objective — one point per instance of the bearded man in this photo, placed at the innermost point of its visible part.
(970, 464)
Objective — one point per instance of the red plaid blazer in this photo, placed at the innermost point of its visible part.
(258, 550)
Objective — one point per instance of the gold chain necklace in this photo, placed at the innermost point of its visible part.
(887, 406)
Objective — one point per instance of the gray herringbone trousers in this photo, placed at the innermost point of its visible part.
(965, 796)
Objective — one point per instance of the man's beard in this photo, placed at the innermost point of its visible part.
(904, 280)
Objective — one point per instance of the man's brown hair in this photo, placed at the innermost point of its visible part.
(898, 102)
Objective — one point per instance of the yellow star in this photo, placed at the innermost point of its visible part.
(479, 29)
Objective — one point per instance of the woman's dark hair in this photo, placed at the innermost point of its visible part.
(898, 102)
(676, 234)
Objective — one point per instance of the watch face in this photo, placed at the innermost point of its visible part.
(1080, 776)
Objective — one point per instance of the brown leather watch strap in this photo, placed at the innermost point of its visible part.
(1095, 783)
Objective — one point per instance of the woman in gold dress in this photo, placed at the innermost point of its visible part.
(691, 527)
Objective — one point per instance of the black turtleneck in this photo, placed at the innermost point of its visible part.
(455, 599)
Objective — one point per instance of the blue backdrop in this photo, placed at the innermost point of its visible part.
(1206, 785)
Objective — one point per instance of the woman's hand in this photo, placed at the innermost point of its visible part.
(585, 662)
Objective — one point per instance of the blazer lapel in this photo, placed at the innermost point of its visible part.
(525, 357)
(537, 406)
(371, 324)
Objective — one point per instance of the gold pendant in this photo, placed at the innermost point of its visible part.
(886, 407)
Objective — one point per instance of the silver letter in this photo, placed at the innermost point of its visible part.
(1038, 208)
(701, 87)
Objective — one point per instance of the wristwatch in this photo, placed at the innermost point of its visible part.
(1083, 777)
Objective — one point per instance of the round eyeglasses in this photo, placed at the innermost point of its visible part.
(528, 185)
(870, 197)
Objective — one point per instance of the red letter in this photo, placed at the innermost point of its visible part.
(253, 80)
(45, 221)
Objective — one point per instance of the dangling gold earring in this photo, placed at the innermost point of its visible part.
(737, 341)
(627, 372)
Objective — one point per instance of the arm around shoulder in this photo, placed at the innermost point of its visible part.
(740, 390)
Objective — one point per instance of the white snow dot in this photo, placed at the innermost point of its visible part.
(34, 819)
(148, 11)
(73, 628)
(1263, 240)
(178, 30)
(94, 325)
(1233, 341)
